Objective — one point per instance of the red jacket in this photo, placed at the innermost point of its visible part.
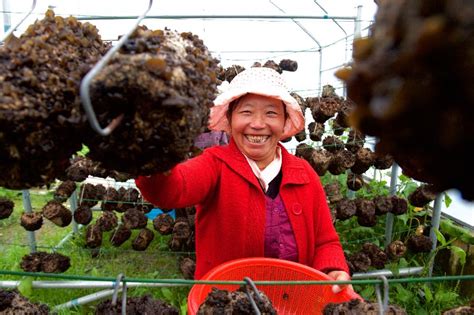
(230, 208)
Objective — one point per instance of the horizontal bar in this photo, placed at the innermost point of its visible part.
(221, 16)
(387, 273)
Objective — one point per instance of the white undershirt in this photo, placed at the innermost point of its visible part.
(266, 175)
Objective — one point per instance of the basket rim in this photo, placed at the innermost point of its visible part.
(196, 289)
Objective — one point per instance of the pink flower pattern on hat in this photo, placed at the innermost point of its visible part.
(261, 81)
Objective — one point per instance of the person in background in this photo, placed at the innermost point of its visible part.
(211, 138)
(253, 198)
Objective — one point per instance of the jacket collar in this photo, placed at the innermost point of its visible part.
(292, 167)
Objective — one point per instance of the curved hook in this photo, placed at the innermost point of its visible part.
(85, 83)
(13, 28)
(120, 278)
(256, 294)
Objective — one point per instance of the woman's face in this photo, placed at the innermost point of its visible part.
(256, 125)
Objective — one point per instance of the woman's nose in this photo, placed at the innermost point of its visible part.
(258, 121)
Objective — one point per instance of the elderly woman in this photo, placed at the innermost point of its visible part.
(252, 197)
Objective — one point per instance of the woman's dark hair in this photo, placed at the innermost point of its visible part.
(234, 103)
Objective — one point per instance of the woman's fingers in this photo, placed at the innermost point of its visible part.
(339, 275)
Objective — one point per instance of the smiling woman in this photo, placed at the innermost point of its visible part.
(253, 198)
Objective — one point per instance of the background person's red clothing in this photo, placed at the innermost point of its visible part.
(230, 205)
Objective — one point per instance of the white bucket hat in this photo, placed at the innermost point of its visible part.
(261, 81)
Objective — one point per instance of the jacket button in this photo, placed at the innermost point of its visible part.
(297, 209)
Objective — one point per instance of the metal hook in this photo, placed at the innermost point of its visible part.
(116, 288)
(383, 305)
(85, 83)
(120, 278)
(13, 28)
(256, 293)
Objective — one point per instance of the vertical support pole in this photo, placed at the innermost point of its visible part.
(357, 25)
(73, 203)
(7, 22)
(435, 219)
(28, 209)
(393, 191)
(320, 83)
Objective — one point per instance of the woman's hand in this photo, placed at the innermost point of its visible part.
(340, 275)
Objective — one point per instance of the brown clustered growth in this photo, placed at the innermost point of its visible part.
(55, 263)
(320, 161)
(273, 65)
(143, 239)
(110, 199)
(81, 167)
(342, 117)
(419, 65)
(107, 221)
(316, 131)
(345, 209)
(419, 243)
(93, 236)
(11, 302)
(399, 205)
(358, 307)
(354, 181)
(134, 219)
(422, 195)
(396, 250)
(41, 117)
(144, 207)
(45, 262)
(83, 215)
(461, 310)
(323, 108)
(383, 161)
(64, 190)
(360, 262)
(183, 233)
(355, 141)
(341, 161)
(378, 258)
(337, 129)
(187, 266)
(366, 212)
(120, 235)
(364, 160)
(31, 221)
(333, 192)
(301, 136)
(288, 65)
(304, 151)
(235, 302)
(229, 73)
(163, 223)
(137, 306)
(383, 204)
(88, 195)
(333, 144)
(301, 101)
(164, 83)
(6, 208)
(55, 212)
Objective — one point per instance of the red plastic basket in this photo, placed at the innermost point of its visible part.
(287, 299)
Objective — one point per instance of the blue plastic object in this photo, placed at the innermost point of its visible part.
(157, 211)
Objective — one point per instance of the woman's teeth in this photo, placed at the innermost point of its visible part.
(257, 139)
